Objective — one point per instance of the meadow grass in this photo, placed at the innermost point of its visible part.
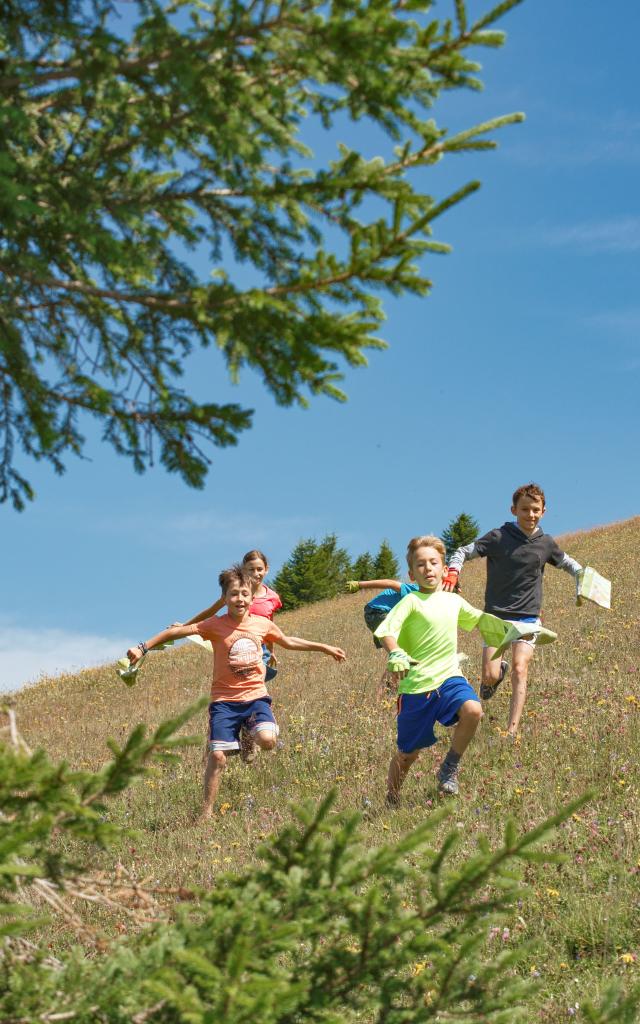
(580, 732)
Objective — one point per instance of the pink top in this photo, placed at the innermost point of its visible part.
(238, 668)
(267, 604)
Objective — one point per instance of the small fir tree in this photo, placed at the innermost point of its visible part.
(313, 572)
(386, 564)
(364, 567)
(462, 530)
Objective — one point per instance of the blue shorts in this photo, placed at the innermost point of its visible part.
(227, 717)
(418, 712)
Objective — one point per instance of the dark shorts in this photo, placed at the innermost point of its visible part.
(373, 617)
(227, 717)
(418, 712)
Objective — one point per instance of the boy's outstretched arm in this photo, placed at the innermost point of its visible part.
(354, 585)
(171, 633)
(568, 563)
(297, 643)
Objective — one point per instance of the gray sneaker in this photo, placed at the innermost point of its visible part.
(487, 690)
(448, 779)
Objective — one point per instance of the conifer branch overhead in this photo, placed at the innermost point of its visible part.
(143, 166)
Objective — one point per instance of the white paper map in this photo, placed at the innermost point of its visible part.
(196, 639)
(591, 586)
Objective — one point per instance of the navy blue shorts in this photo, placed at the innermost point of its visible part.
(226, 718)
(418, 712)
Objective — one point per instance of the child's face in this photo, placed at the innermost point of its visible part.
(238, 599)
(528, 512)
(257, 569)
(427, 567)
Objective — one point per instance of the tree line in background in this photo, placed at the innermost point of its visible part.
(317, 570)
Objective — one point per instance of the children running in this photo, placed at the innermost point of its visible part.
(420, 636)
(516, 555)
(238, 693)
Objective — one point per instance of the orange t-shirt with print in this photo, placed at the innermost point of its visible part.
(238, 668)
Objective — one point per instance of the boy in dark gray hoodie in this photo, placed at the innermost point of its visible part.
(516, 555)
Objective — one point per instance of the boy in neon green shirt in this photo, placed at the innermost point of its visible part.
(420, 636)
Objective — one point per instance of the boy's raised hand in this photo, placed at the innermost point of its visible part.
(336, 652)
(450, 580)
(352, 586)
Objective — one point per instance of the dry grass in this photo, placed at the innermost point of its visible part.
(581, 732)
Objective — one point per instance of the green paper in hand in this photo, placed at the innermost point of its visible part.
(127, 671)
(523, 631)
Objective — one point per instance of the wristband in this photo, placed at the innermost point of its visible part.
(143, 647)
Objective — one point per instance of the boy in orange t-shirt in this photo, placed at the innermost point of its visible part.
(239, 696)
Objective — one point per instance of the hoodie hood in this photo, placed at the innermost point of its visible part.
(515, 531)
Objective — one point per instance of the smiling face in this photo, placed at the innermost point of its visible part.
(238, 598)
(528, 511)
(427, 568)
(257, 568)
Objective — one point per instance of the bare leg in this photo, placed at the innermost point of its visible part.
(266, 739)
(522, 655)
(213, 774)
(469, 717)
(490, 669)
(400, 765)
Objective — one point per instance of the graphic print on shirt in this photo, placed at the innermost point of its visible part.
(245, 654)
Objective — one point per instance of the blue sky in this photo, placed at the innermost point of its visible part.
(523, 363)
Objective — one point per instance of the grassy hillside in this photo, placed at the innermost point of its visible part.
(581, 731)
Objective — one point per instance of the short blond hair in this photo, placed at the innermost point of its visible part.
(426, 541)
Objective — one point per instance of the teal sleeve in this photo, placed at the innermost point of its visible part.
(394, 621)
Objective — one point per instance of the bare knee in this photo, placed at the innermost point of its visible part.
(519, 673)
(406, 759)
(266, 739)
(471, 711)
(217, 760)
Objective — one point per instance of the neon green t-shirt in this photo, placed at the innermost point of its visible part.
(426, 627)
